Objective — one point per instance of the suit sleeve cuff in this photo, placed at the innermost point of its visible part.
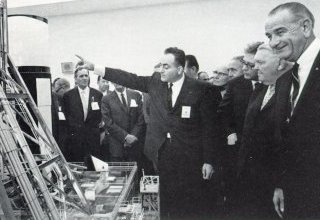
(99, 70)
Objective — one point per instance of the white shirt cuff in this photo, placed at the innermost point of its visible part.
(99, 70)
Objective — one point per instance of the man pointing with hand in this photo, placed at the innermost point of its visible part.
(182, 137)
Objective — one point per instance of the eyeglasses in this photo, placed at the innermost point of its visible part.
(247, 64)
(208, 79)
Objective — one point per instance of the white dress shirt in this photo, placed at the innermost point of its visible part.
(176, 88)
(124, 94)
(84, 95)
(268, 95)
(305, 62)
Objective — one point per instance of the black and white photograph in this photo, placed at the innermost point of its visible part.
(159, 110)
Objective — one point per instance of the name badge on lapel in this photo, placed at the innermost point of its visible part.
(133, 103)
(186, 112)
(95, 106)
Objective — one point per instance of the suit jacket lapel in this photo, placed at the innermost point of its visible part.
(313, 79)
(269, 103)
(90, 100)
(164, 94)
(118, 101)
(255, 106)
(129, 98)
(182, 93)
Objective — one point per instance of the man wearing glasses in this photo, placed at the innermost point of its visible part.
(235, 67)
(232, 111)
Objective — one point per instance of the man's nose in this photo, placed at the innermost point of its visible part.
(274, 41)
(230, 74)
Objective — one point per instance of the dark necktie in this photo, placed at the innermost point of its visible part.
(296, 85)
(169, 96)
(123, 100)
(257, 88)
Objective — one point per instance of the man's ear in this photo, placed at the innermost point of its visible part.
(282, 65)
(307, 27)
(285, 65)
(180, 70)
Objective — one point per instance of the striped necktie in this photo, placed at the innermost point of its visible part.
(296, 86)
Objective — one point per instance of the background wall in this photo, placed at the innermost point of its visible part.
(134, 38)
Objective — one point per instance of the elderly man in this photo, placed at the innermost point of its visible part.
(289, 28)
(258, 159)
(235, 67)
(183, 133)
(220, 79)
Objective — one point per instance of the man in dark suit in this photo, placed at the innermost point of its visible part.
(59, 125)
(232, 111)
(258, 153)
(122, 114)
(191, 67)
(235, 67)
(289, 28)
(81, 107)
(103, 86)
(183, 131)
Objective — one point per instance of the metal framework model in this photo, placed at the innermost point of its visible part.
(33, 184)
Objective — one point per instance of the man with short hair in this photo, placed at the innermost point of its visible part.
(81, 107)
(191, 67)
(235, 67)
(183, 133)
(221, 76)
(232, 111)
(289, 27)
(59, 127)
(203, 76)
(258, 159)
(103, 86)
(123, 117)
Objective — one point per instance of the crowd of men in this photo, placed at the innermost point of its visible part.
(249, 134)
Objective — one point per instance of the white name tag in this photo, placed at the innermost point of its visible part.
(186, 112)
(95, 106)
(133, 103)
(61, 116)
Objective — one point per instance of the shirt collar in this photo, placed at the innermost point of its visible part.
(179, 82)
(86, 90)
(307, 58)
(124, 92)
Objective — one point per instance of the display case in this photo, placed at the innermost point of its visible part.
(108, 192)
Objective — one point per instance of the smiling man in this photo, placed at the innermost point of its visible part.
(289, 28)
(183, 132)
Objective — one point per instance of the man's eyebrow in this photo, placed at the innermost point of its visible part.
(279, 29)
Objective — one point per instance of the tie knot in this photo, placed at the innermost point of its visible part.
(258, 85)
(170, 85)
